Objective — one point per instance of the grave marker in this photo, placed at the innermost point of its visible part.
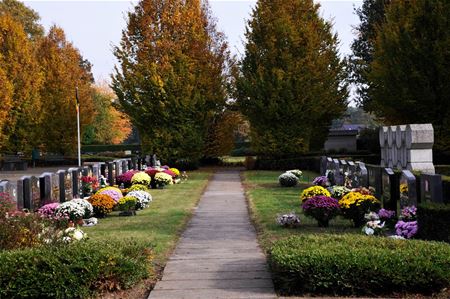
(407, 189)
(391, 188)
(431, 188)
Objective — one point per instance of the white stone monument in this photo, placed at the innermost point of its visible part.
(408, 147)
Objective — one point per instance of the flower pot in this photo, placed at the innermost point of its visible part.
(323, 222)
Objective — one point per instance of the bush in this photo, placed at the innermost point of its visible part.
(288, 179)
(434, 221)
(103, 204)
(112, 192)
(141, 178)
(355, 205)
(78, 270)
(313, 191)
(358, 265)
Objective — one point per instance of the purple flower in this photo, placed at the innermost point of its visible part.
(386, 214)
(406, 229)
(125, 178)
(408, 213)
(321, 181)
(320, 202)
(48, 210)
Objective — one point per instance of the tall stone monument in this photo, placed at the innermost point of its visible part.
(407, 147)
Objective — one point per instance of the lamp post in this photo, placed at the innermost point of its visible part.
(78, 127)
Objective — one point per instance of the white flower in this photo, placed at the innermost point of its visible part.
(78, 235)
(369, 231)
(66, 239)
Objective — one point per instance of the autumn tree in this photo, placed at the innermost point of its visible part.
(372, 16)
(110, 126)
(290, 82)
(24, 15)
(22, 77)
(170, 79)
(64, 69)
(410, 77)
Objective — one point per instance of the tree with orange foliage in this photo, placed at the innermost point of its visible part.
(109, 125)
(171, 80)
(21, 83)
(64, 69)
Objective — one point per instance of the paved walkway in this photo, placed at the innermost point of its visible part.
(218, 255)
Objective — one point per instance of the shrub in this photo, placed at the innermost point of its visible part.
(77, 270)
(112, 192)
(175, 171)
(141, 178)
(358, 265)
(143, 199)
(7, 205)
(162, 179)
(125, 178)
(103, 204)
(355, 205)
(338, 191)
(298, 173)
(127, 203)
(321, 181)
(288, 179)
(322, 208)
(138, 187)
(48, 210)
(313, 191)
(434, 221)
(75, 209)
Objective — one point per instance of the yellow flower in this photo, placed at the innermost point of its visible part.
(356, 198)
(314, 191)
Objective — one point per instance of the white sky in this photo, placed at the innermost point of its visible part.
(95, 26)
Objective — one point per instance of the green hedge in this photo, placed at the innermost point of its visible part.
(72, 271)
(359, 265)
(434, 221)
(98, 148)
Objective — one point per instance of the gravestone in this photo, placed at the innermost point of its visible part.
(45, 183)
(25, 185)
(351, 171)
(391, 188)
(338, 177)
(55, 188)
(111, 173)
(375, 179)
(130, 164)
(431, 188)
(9, 188)
(139, 164)
(117, 167)
(62, 186)
(103, 169)
(124, 165)
(96, 170)
(134, 163)
(407, 189)
(323, 165)
(407, 147)
(23, 193)
(35, 202)
(75, 174)
(361, 175)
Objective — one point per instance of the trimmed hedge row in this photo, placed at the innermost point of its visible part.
(434, 221)
(358, 265)
(98, 148)
(73, 271)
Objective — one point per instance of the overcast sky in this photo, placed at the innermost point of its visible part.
(95, 26)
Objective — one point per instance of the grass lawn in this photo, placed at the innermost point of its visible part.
(267, 199)
(160, 224)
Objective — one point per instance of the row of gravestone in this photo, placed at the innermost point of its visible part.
(31, 192)
(396, 188)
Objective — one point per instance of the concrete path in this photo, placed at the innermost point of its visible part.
(218, 255)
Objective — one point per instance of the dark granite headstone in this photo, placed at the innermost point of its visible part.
(25, 182)
(124, 165)
(45, 183)
(407, 189)
(323, 165)
(130, 164)
(134, 163)
(431, 188)
(75, 174)
(62, 186)
(362, 175)
(35, 202)
(111, 173)
(96, 170)
(117, 167)
(351, 172)
(104, 169)
(391, 188)
(374, 179)
(55, 188)
(338, 176)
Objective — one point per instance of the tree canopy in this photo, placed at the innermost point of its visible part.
(290, 84)
(170, 79)
(410, 76)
